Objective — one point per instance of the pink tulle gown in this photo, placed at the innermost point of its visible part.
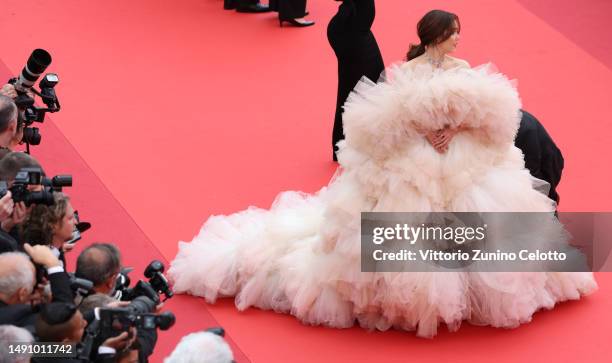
(302, 256)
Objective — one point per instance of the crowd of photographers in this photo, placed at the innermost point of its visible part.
(90, 313)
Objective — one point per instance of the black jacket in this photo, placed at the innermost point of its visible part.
(24, 315)
(8, 243)
(543, 158)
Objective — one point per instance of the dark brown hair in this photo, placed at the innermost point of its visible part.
(433, 28)
(38, 226)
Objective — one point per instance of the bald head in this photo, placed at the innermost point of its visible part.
(17, 277)
(99, 263)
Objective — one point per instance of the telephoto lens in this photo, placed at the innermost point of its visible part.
(165, 320)
(43, 197)
(38, 61)
(58, 182)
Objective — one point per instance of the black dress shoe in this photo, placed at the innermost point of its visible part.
(294, 22)
(229, 4)
(253, 8)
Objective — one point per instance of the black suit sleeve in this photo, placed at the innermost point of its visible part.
(7, 243)
(21, 315)
(60, 287)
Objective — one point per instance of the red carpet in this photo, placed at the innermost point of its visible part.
(173, 111)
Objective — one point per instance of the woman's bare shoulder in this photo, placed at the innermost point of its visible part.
(412, 63)
(458, 62)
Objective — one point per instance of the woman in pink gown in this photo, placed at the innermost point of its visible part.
(434, 135)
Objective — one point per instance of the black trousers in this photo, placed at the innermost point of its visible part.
(289, 9)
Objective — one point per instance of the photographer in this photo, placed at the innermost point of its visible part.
(10, 165)
(100, 263)
(63, 323)
(51, 225)
(18, 283)
(132, 353)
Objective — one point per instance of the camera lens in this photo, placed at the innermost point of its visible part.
(141, 305)
(165, 320)
(37, 63)
(44, 197)
(152, 268)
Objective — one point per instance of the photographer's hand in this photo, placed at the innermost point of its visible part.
(42, 255)
(19, 215)
(8, 90)
(40, 295)
(118, 304)
(121, 341)
(6, 207)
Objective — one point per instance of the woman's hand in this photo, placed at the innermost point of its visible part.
(432, 137)
(444, 137)
(438, 139)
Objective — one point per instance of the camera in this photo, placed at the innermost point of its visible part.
(29, 113)
(138, 314)
(154, 272)
(80, 287)
(111, 322)
(19, 189)
(157, 284)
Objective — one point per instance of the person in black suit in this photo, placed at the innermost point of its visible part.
(350, 36)
(543, 158)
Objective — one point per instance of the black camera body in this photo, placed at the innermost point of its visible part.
(157, 284)
(138, 314)
(155, 273)
(142, 288)
(19, 190)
